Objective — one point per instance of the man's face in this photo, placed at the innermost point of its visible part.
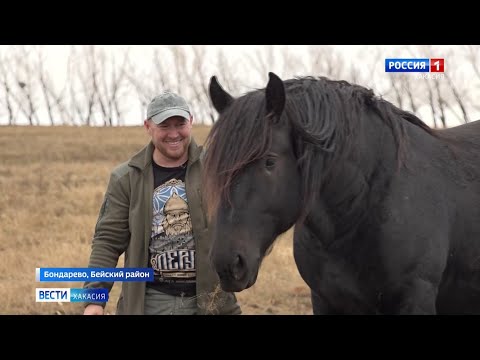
(171, 137)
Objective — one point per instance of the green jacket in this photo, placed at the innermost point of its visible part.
(124, 226)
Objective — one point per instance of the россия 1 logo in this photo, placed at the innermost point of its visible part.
(415, 65)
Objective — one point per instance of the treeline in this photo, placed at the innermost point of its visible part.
(104, 85)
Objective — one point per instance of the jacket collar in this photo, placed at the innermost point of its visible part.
(143, 158)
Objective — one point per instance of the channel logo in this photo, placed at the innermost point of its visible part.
(415, 65)
(70, 295)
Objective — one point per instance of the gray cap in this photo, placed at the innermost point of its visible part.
(166, 105)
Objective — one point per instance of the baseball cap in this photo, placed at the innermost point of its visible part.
(166, 105)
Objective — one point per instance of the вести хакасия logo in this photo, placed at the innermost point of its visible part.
(70, 295)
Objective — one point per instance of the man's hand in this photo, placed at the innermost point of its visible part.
(93, 309)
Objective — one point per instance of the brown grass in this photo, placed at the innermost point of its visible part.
(52, 181)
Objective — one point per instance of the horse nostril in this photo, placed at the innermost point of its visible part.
(238, 267)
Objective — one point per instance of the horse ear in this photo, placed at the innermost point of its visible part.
(275, 94)
(220, 98)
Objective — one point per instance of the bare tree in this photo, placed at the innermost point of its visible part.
(53, 98)
(396, 86)
(142, 87)
(326, 61)
(101, 94)
(369, 57)
(6, 99)
(411, 95)
(401, 87)
(436, 96)
(76, 106)
(292, 63)
(198, 83)
(458, 96)
(84, 73)
(118, 80)
(149, 82)
(45, 83)
(441, 102)
(108, 83)
(263, 60)
(162, 80)
(228, 71)
(431, 102)
(179, 57)
(452, 94)
(473, 58)
(26, 84)
(59, 99)
(191, 78)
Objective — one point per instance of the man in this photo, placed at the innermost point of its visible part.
(153, 212)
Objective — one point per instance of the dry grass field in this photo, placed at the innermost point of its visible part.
(52, 181)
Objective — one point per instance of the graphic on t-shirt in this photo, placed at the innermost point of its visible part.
(172, 252)
(177, 219)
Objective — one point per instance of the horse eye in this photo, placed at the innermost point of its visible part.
(270, 163)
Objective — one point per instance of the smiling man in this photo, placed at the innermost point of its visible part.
(169, 123)
(152, 212)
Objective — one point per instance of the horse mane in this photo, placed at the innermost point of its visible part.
(320, 133)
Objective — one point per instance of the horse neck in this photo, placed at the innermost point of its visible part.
(368, 163)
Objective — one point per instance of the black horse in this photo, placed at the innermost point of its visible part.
(386, 210)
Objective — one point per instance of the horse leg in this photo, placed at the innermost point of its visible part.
(413, 263)
(320, 305)
(413, 235)
(334, 290)
(415, 296)
(415, 259)
(302, 253)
